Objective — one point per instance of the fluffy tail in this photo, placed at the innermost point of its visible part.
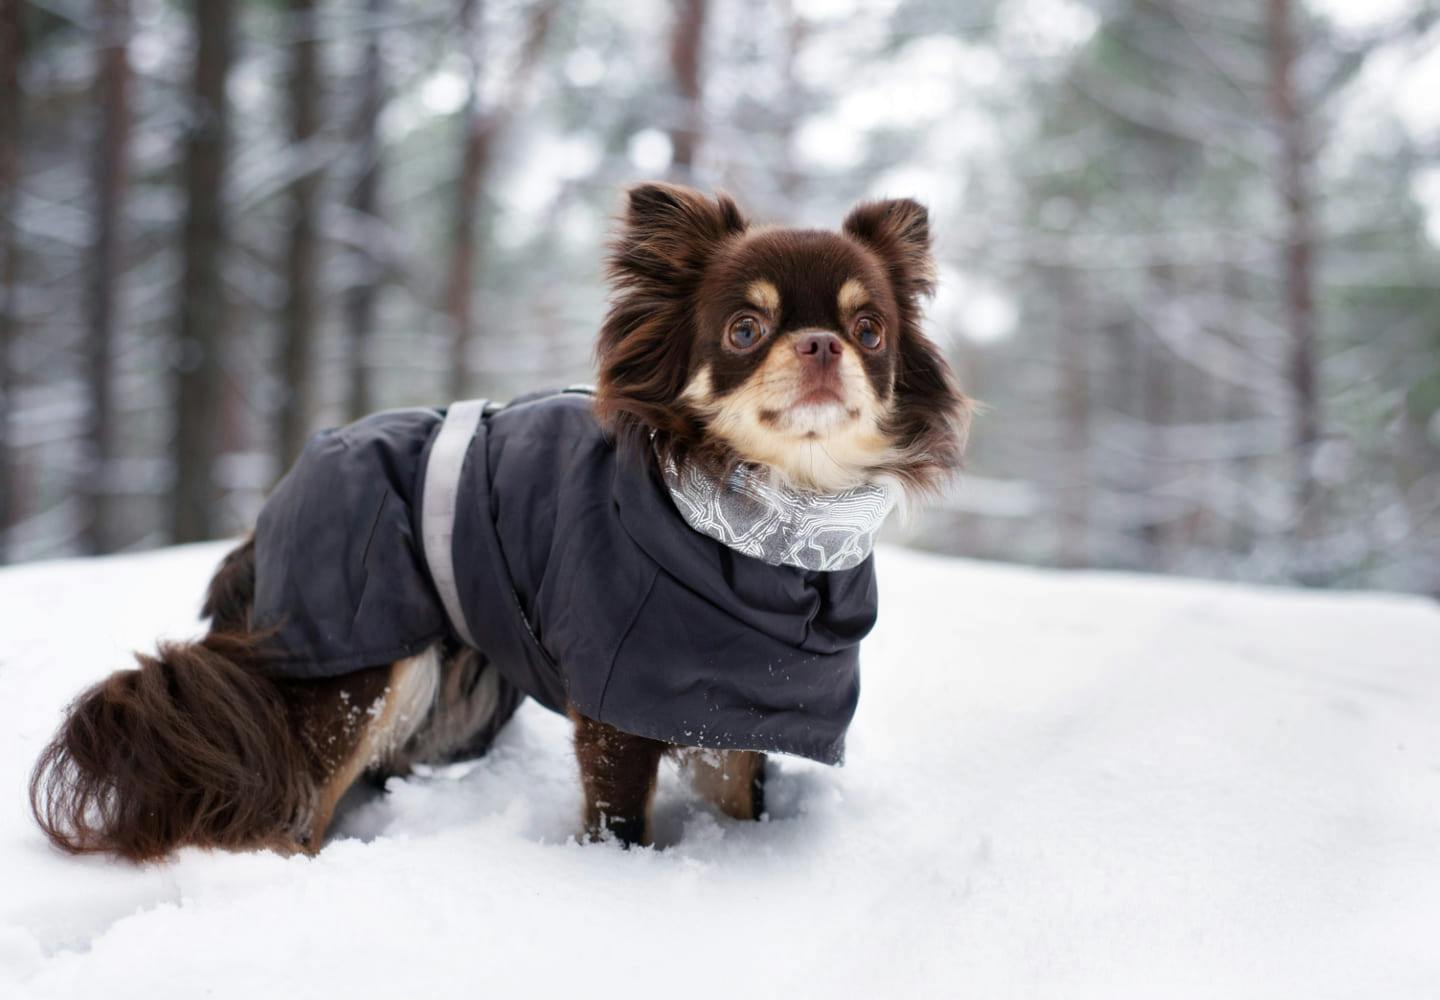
(194, 748)
(231, 595)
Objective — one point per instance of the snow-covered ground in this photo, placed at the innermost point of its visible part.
(1067, 785)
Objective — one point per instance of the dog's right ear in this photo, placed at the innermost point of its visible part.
(667, 234)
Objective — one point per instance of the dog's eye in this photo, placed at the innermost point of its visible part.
(868, 333)
(745, 333)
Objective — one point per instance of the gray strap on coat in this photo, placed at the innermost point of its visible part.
(437, 510)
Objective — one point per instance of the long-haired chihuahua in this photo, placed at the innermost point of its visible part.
(680, 559)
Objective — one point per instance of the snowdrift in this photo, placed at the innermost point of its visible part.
(1062, 785)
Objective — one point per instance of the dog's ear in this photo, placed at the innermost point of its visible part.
(672, 206)
(667, 234)
(898, 231)
(932, 415)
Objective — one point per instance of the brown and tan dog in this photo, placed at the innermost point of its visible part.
(796, 351)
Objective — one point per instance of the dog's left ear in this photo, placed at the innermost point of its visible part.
(898, 231)
(931, 421)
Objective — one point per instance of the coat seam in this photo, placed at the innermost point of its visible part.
(629, 627)
(370, 535)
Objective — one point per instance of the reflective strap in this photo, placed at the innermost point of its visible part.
(437, 508)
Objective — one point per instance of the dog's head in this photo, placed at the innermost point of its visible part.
(800, 350)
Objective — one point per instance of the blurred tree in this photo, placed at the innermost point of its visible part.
(687, 58)
(789, 177)
(477, 132)
(481, 122)
(301, 314)
(1168, 173)
(363, 206)
(202, 313)
(1297, 249)
(102, 533)
(1075, 402)
(12, 61)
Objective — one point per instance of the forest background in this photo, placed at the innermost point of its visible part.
(1189, 249)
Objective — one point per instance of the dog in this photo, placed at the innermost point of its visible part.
(679, 559)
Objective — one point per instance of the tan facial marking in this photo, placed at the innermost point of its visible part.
(830, 450)
(852, 296)
(763, 295)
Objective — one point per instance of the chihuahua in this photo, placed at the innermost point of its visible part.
(679, 559)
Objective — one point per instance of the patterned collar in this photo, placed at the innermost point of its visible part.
(780, 525)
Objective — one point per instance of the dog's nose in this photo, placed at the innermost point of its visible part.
(818, 348)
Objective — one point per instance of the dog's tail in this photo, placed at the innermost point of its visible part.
(231, 594)
(193, 748)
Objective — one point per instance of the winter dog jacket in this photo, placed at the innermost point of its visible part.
(524, 532)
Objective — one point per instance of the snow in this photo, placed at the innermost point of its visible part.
(1059, 785)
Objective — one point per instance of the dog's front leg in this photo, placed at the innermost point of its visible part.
(734, 780)
(618, 772)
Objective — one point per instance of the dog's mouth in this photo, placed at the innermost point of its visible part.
(821, 400)
(820, 395)
(813, 411)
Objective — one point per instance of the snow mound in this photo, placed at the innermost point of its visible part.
(1062, 785)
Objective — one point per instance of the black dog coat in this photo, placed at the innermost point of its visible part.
(522, 531)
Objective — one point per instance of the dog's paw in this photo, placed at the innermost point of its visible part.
(627, 831)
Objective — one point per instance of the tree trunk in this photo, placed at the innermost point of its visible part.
(201, 331)
(474, 162)
(1158, 371)
(1075, 333)
(1235, 408)
(12, 57)
(792, 109)
(300, 318)
(480, 126)
(1297, 256)
(112, 94)
(687, 46)
(363, 203)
